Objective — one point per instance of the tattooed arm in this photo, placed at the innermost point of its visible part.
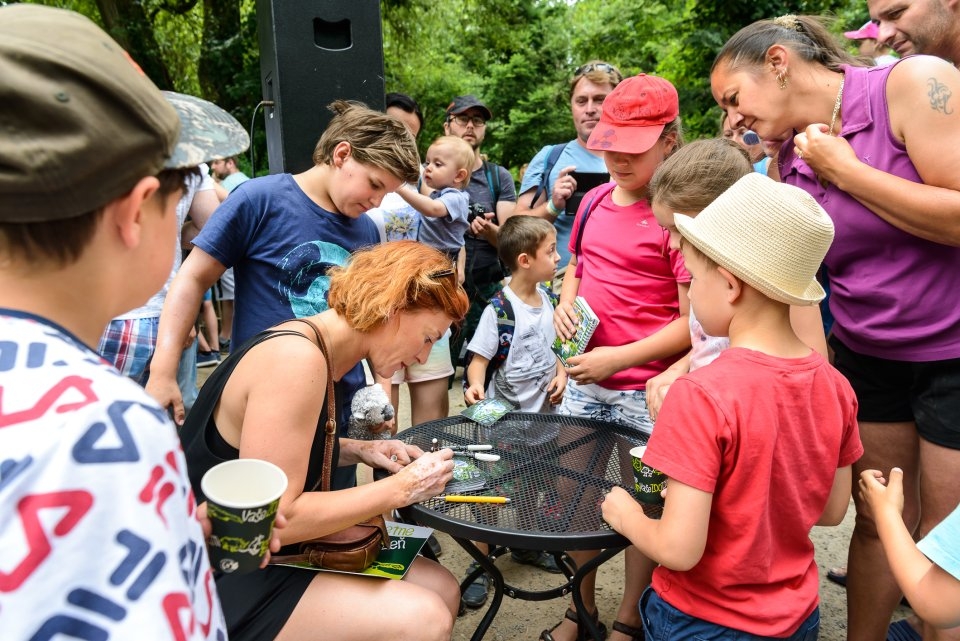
(923, 97)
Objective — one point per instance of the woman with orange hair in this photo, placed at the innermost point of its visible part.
(269, 401)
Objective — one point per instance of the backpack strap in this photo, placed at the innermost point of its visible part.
(492, 172)
(506, 322)
(548, 164)
(595, 198)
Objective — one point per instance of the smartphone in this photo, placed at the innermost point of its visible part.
(585, 182)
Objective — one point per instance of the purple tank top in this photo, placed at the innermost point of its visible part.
(893, 295)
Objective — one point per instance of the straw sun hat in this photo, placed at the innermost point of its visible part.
(771, 235)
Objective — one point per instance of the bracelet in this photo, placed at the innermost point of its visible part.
(552, 208)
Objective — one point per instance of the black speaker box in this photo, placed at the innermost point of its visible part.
(313, 52)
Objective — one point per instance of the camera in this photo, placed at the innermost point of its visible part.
(475, 210)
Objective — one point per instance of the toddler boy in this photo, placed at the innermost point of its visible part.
(757, 445)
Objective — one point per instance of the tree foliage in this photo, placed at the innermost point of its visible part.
(516, 55)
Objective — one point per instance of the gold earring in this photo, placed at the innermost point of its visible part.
(781, 80)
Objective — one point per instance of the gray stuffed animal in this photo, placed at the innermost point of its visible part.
(370, 407)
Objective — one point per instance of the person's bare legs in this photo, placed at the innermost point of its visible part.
(429, 400)
(872, 592)
(421, 607)
(226, 319)
(939, 495)
(210, 326)
(638, 572)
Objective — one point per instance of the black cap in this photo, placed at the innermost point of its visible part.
(463, 103)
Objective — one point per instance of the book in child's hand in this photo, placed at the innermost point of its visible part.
(587, 323)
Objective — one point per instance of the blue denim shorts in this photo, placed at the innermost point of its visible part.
(663, 622)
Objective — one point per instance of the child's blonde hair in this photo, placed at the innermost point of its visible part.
(375, 139)
(521, 235)
(463, 155)
(693, 176)
(403, 275)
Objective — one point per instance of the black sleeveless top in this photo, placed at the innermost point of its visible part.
(255, 605)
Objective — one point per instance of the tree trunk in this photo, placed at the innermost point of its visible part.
(127, 23)
(221, 53)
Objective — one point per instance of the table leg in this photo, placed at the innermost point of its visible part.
(488, 565)
(586, 617)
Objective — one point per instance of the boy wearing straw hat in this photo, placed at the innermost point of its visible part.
(757, 445)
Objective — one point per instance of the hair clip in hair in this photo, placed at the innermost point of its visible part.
(788, 21)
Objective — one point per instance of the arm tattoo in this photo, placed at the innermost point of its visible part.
(939, 95)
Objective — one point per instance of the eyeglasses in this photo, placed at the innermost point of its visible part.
(598, 66)
(464, 120)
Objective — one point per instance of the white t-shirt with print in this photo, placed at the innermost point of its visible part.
(98, 537)
(530, 364)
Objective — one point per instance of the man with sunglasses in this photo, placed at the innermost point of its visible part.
(492, 198)
(547, 184)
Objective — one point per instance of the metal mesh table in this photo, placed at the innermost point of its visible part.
(555, 470)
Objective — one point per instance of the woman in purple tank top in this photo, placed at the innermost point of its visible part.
(879, 148)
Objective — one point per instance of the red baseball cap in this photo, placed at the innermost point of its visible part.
(634, 115)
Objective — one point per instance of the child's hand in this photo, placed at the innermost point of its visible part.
(598, 364)
(565, 320)
(556, 387)
(657, 390)
(473, 395)
(881, 494)
(618, 506)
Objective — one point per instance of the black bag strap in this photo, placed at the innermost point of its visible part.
(548, 164)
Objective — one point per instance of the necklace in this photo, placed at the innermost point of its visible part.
(836, 105)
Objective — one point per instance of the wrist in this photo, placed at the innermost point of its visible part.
(552, 209)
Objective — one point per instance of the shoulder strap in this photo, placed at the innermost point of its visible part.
(330, 430)
(595, 199)
(202, 410)
(506, 321)
(554, 298)
(492, 172)
(548, 164)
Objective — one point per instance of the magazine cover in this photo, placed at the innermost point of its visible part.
(406, 541)
(587, 323)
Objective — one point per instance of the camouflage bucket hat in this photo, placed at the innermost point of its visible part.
(206, 132)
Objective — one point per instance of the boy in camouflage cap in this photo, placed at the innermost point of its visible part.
(99, 537)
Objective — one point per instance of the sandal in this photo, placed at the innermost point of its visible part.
(571, 614)
(635, 634)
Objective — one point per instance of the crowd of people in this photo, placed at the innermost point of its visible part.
(779, 297)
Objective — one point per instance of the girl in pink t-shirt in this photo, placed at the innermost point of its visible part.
(635, 284)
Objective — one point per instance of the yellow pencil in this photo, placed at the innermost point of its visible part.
(456, 498)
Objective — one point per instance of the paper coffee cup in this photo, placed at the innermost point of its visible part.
(647, 482)
(242, 499)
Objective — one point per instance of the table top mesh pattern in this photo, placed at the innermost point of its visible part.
(554, 469)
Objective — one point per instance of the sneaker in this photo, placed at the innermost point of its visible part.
(224, 345)
(476, 593)
(536, 558)
(207, 359)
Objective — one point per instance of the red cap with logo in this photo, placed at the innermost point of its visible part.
(634, 115)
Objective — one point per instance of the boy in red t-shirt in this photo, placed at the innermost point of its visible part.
(757, 445)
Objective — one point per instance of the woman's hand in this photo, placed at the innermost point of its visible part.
(427, 476)
(391, 455)
(831, 157)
